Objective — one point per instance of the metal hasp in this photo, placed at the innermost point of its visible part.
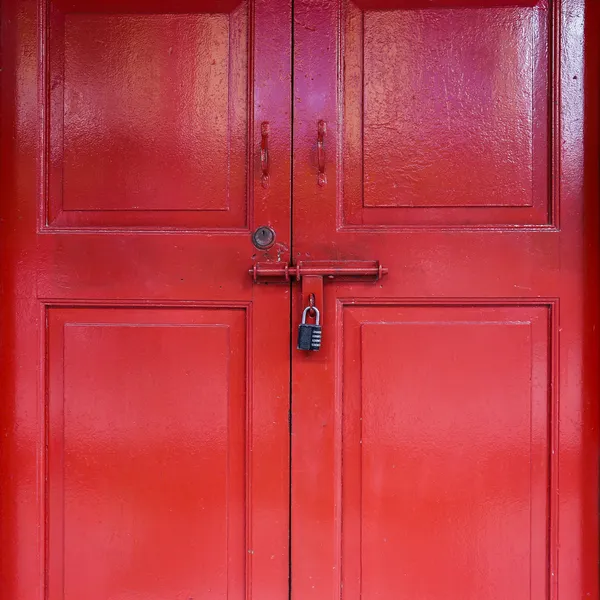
(340, 270)
(311, 274)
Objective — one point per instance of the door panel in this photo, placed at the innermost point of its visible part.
(427, 480)
(149, 116)
(146, 447)
(429, 91)
(145, 378)
(444, 439)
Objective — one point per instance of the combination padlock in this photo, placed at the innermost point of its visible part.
(309, 335)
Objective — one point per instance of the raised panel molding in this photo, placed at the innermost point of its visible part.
(147, 120)
(446, 435)
(457, 130)
(146, 459)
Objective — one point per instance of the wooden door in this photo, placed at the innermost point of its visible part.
(444, 440)
(144, 378)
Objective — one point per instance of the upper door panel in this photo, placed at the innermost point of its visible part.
(445, 114)
(149, 114)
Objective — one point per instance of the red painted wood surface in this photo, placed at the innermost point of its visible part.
(144, 378)
(147, 475)
(445, 439)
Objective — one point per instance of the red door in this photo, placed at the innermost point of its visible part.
(444, 440)
(145, 379)
(442, 443)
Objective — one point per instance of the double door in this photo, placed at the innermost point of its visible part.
(179, 181)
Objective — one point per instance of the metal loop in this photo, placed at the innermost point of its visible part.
(311, 305)
(306, 312)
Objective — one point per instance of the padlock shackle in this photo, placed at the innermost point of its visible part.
(306, 311)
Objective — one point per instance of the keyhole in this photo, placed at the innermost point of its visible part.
(263, 237)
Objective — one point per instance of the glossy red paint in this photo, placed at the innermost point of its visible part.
(444, 441)
(145, 379)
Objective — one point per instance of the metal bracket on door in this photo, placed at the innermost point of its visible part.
(341, 270)
(311, 274)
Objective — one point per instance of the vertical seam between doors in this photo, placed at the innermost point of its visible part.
(291, 288)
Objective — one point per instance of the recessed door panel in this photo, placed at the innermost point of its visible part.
(446, 114)
(445, 452)
(147, 430)
(149, 116)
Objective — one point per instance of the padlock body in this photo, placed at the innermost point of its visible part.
(309, 337)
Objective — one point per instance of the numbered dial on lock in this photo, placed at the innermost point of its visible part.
(309, 334)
